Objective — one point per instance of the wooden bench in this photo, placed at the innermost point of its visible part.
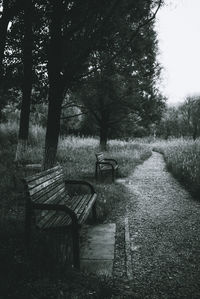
(25, 168)
(50, 206)
(104, 165)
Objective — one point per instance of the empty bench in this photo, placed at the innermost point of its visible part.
(104, 165)
(50, 206)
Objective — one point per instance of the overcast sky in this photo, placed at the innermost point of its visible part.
(178, 27)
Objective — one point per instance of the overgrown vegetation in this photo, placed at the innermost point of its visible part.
(23, 277)
(182, 158)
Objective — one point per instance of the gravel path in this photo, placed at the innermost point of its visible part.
(164, 226)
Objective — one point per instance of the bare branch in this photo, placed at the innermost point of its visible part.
(70, 105)
(75, 115)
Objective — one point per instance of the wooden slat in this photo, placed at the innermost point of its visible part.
(61, 220)
(44, 185)
(46, 214)
(48, 187)
(41, 197)
(65, 221)
(80, 209)
(87, 210)
(41, 223)
(57, 197)
(74, 202)
(44, 179)
(41, 174)
(100, 157)
(53, 220)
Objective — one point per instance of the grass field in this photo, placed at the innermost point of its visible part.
(77, 155)
(182, 159)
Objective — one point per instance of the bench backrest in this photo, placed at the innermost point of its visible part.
(100, 157)
(46, 186)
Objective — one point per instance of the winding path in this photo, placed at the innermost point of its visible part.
(164, 227)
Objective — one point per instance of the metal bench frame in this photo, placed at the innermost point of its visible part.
(105, 165)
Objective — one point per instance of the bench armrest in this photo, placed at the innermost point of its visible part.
(77, 182)
(57, 207)
(112, 160)
(105, 163)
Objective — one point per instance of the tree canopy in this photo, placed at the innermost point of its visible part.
(104, 50)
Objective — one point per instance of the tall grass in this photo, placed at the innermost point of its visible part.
(182, 158)
(77, 155)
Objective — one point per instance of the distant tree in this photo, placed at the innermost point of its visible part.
(169, 126)
(121, 96)
(190, 112)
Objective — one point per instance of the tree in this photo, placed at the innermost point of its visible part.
(72, 31)
(8, 9)
(190, 111)
(27, 79)
(122, 93)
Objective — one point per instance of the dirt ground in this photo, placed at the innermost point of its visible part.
(164, 226)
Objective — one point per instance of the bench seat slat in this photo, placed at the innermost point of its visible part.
(51, 191)
(45, 215)
(74, 201)
(83, 205)
(87, 210)
(56, 219)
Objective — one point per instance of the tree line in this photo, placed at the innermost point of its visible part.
(91, 61)
(182, 120)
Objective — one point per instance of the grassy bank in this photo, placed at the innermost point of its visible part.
(77, 155)
(182, 158)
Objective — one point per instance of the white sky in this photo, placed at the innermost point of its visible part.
(178, 28)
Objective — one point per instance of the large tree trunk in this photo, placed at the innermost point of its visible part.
(56, 86)
(103, 137)
(53, 127)
(195, 130)
(27, 82)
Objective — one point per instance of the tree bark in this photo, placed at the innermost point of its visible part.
(195, 129)
(56, 86)
(27, 81)
(53, 126)
(103, 137)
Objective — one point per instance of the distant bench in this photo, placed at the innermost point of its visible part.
(51, 206)
(104, 165)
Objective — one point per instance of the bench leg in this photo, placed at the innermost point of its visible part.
(76, 248)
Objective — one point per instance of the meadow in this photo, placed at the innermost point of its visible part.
(77, 155)
(182, 157)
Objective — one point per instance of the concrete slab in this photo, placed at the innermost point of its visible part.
(99, 267)
(97, 249)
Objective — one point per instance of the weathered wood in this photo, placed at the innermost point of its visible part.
(105, 165)
(52, 207)
(42, 173)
